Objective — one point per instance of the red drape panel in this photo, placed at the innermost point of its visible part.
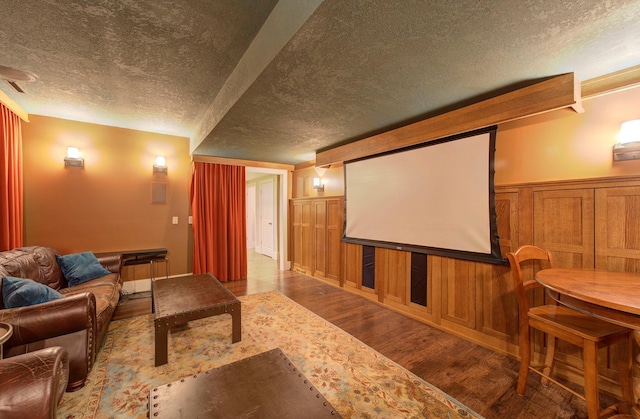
(10, 179)
(219, 220)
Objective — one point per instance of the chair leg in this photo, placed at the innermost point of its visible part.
(525, 361)
(625, 365)
(549, 359)
(590, 358)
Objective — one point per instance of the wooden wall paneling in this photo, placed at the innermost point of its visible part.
(319, 220)
(497, 307)
(393, 276)
(564, 224)
(316, 232)
(335, 217)
(302, 236)
(295, 244)
(352, 266)
(458, 292)
(617, 231)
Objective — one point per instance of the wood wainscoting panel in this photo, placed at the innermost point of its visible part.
(316, 234)
(319, 238)
(335, 217)
(302, 249)
(393, 276)
(352, 271)
(617, 229)
(458, 291)
(563, 223)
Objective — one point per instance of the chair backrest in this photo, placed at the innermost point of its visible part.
(523, 254)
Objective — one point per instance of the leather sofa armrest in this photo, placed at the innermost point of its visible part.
(54, 318)
(112, 262)
(32, 384)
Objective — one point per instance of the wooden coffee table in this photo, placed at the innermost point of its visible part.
(177, 301)
(267, 385)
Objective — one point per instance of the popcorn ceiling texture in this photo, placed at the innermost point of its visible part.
(319, 73)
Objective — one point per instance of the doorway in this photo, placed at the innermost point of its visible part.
(267, 208)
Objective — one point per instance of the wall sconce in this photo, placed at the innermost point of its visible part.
(74, 158)
(160, 165)
(318, 184)
(629, 146)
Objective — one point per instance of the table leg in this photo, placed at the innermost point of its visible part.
(161, 343)
(236, 325)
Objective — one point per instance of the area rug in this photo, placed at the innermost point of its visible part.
(358, 381)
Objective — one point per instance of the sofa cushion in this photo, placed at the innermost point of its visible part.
(80, 267)
(18, 292)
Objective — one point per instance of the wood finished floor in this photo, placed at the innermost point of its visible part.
(481, 379)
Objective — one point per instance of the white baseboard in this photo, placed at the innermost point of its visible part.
(142, 285)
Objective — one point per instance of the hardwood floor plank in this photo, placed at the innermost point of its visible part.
(478, 377)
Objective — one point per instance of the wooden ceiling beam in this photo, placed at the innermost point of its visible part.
(239, 162)
(611, 83)
(562, 91)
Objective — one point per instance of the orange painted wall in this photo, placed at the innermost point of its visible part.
(303, 182)
(107, 205)
(565, 145)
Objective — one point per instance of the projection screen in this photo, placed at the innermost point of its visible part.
(435, 198)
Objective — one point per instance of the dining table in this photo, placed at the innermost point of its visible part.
(607, 295)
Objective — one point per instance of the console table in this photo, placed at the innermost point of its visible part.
(143, 257)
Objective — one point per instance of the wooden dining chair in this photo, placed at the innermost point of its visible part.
(560, 322)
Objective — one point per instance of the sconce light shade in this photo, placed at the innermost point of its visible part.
(74, 158)
(318, 184)
(629, 146)
(160, 165)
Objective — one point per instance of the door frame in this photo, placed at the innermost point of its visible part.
(283, 176)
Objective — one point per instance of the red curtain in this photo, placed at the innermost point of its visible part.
(219, 220)
(10, 179)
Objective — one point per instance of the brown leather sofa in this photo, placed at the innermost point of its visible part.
(78, 322)
(32, 384)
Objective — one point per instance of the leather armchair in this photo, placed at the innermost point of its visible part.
(32, 385)
(68, 322)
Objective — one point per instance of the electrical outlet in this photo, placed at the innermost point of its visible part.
(174, 220)
(190, 219)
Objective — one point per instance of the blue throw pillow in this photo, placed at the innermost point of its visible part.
(18, 292)
(81, 267)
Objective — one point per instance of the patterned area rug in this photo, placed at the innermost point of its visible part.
(358, 381)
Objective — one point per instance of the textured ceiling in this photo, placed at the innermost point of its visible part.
(277, 81)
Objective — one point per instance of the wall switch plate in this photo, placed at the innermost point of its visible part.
(190, 219)
(174, 220)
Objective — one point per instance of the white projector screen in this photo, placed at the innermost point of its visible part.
(436, 198)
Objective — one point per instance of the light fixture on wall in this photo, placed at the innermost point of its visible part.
(629, 137)
(74, 158)
(160, 165)
(318, 184)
